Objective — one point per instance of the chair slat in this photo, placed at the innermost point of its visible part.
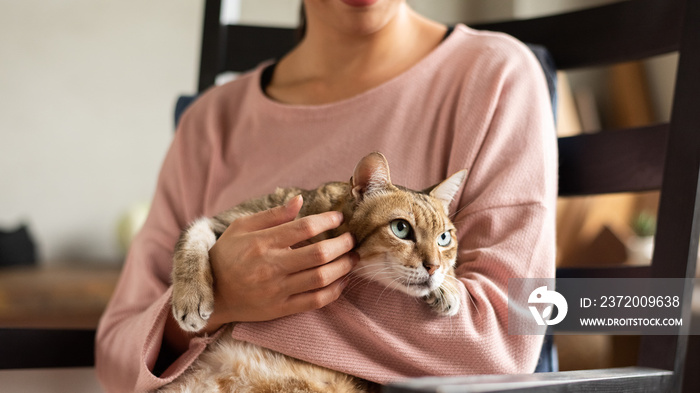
(245, 52)
(210, 63)
(634, 30)
(605, 272)
(629, 160)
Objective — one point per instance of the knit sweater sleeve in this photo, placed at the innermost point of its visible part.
(130, 332)
(506, 216)
(505, 224)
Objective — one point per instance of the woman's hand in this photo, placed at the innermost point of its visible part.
(258, 276)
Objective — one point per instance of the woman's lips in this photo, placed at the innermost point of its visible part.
(359, 3)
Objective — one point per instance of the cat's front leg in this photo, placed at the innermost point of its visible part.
(193, 293)
(446, 299)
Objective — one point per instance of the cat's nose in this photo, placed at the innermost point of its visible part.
(430, 267)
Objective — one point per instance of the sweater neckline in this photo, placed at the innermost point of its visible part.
(358, 100)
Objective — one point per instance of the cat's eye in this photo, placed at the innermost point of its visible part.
(445, 239)
(401, 228)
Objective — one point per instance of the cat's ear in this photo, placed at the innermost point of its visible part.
(446, 190)
(371, 174)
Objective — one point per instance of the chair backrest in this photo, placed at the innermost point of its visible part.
(663, 157)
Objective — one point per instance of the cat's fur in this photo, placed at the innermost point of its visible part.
(421, 264)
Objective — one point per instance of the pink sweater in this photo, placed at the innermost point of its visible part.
(478, 101)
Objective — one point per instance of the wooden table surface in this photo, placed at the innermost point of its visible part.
(55, 296)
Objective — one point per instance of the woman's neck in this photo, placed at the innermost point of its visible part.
(331, 65)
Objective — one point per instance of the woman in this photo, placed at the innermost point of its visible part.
(369, 75)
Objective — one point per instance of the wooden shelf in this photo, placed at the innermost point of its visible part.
(55, 297)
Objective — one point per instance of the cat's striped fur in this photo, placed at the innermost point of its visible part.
(405, 240)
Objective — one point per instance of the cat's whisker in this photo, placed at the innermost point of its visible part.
(372, 266)
(461, 209)
(471, 299)
(469, 296)
(385, 288)
(357, 280)
(457, 222)
(394, 284)
(383, 271)
(452, 329)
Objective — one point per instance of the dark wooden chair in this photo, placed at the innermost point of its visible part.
(662, 157)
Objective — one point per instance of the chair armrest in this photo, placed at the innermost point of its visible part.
(627, 379)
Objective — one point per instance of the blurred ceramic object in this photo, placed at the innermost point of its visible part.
(640, 249)
(130, 224)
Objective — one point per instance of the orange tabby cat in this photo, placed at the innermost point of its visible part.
(405, 240)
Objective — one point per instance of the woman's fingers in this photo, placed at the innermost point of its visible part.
(297, 231)
(258, 276)
(322, 276)
(279, 226)
(272, 217)
(316, 299)
(318, 254)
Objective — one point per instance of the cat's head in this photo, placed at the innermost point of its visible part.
(405, 238)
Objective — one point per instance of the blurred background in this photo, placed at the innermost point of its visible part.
(87, 91)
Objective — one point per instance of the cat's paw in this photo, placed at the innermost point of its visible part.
(193, 304)
(445, 300)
